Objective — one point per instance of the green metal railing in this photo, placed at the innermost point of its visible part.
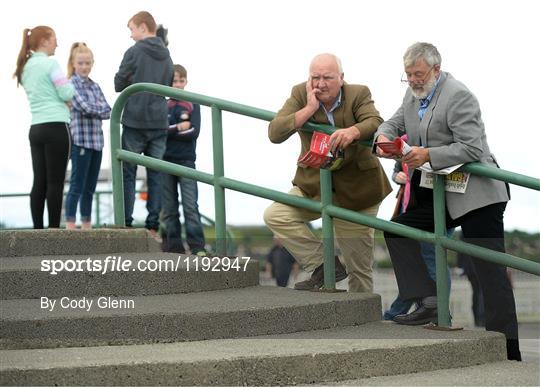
(97, 218)
(325, 207)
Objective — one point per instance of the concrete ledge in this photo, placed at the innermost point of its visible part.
(17, 243)
(188, 317)
(496, 374)
(22, 278)
(329, 355)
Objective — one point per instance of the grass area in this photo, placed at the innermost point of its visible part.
(256, 240)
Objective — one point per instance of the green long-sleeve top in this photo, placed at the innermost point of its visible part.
(47, 89)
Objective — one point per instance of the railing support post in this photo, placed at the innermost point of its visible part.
(219, 190)
(97, 222)
(116, 165)
(327, 230)
(439, 209)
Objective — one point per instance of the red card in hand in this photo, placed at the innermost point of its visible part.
(319, 155)
(394, 147)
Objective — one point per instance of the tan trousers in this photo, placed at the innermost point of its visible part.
(355, 241)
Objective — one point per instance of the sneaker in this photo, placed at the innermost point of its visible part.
(316, 280)
(201, 253)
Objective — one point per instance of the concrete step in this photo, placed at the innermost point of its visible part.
(15, 243)
(495, 374)
(372, 349)
(184, 317)
(22, 277)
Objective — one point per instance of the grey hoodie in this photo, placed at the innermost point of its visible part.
(148, 60)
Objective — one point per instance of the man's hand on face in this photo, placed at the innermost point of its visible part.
(343, 137)
(312, 100)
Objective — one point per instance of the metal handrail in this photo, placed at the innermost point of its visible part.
(97, 219)
(325, 206)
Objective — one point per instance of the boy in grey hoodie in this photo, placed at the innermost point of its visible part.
(144, 118)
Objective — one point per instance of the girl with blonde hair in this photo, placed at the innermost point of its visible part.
(88, 109)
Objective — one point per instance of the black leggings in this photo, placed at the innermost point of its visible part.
(50, 144)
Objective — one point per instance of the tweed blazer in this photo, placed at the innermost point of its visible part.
(453, 130)
(360, 182)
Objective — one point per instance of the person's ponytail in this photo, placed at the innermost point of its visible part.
(23, 56)
(32, 39)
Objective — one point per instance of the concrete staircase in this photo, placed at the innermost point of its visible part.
(187, 327)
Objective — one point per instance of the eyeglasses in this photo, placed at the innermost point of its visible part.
(418, 76)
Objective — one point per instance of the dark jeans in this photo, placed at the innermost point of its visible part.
(282, 262)
(152, 143)
(400, 306)
(85, 165)
(171, 215)
(483, 227)
(49, 144)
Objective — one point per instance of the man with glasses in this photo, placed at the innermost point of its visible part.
(360, 184)
(443, 122)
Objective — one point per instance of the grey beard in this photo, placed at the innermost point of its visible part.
(427, 88)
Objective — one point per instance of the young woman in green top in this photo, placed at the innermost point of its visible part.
(49, 92)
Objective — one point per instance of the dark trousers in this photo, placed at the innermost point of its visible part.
(152, 143)
(49, 144)
(465, 262)
(483, 227)
(171, 214)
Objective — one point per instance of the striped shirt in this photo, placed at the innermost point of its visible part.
(89, 107)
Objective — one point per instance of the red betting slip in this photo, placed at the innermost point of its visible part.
(395, 147)
(319, 155)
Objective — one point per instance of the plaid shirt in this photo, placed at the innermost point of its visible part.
(88, 108)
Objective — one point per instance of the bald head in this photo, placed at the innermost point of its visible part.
(326, 77)
(329, 61)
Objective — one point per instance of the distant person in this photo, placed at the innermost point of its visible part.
(49, 92)
(280, 263)
(359, 185)
(163, 34)
(444, 123)
(184, 129)
(89, 107)
(144, 118)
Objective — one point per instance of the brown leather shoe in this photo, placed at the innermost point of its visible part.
(316, 280)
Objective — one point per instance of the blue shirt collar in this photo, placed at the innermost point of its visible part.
(330, 113)
(336, 104)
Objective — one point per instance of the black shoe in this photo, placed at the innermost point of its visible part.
(316, 280)
(420, 316)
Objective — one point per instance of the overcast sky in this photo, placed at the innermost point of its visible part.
(253, 52)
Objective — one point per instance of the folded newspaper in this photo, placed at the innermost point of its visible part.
(319, 154)
(443, 171)
(454, 181)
